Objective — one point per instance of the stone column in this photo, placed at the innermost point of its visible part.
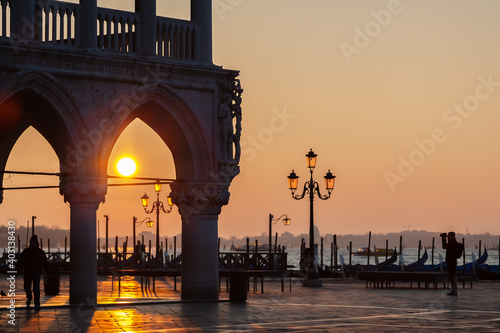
(23, 24)
(199, 206)
(87, 29)
(84, 195)
(147, 32)
(201, 12)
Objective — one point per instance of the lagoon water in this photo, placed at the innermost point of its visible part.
(409, 256)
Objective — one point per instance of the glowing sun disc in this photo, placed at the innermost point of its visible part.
(126, 166)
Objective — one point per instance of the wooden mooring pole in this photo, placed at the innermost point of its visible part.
(335, 247)
(432, 254)
(321, 253)
(350, 252)
(386, 248)
(369, 245)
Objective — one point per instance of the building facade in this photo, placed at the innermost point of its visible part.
(80, 75)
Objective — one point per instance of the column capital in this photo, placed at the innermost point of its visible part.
(89, 190)
(194, 198)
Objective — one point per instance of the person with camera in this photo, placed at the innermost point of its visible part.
(453, 251)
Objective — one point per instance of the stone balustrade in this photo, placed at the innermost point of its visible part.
(58, 22)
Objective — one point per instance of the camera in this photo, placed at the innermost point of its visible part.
(444, 234)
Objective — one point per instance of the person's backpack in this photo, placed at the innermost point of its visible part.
(459, 250)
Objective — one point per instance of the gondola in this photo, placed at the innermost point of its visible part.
(418, 265)
(488, 272)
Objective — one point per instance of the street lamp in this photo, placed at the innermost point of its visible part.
(311, 187)
(149, 224)
(157, 205)
(286, 221)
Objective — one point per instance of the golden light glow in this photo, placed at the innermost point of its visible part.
(126, 166)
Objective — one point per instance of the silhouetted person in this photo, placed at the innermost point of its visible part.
(138, 254)
(453, 252)
(33, 259)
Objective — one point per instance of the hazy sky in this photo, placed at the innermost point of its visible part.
(399, 99)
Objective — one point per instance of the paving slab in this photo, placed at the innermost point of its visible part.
(341, 305)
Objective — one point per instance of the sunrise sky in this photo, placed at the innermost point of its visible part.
(399, 99)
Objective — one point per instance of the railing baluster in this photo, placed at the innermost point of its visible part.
(182, 46)
(164, 38)
(188, 43)
(61, 26)
(4, 18)
(123, 46)
(53, 10)
(100, 37)
(46, 23)
(128, 36)
(115, 33)
(108, 32)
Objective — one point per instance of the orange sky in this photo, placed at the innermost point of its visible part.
(400, 99)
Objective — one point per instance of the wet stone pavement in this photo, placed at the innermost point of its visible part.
(341, 305)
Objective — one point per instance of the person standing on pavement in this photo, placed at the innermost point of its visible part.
(33, 259)
(453, 252)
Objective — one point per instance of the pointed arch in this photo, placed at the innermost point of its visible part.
(162, 109)
(34, 98)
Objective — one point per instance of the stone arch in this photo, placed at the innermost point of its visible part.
(34, 98)
(167, 114)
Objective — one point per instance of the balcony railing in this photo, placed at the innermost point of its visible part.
(5, 8)
(58, 22)
(55, 22)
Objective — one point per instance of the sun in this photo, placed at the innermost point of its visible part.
(126, 166)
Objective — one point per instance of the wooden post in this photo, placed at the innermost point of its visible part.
(18, 244)
(65, 248)
(117, 258)
(479, 248)
(386, 248)
(125, 248)
(134, 220)
(335, 247)
(175, 246)
(350, 252)
(321, 253)
(48, 246)
(107, 220)
(256, 246)
(149, 255)
(248, 245)
(275, 242)
(463, 255)
(369, 245)
(432, 254)
(401, 244)
(419, 246)
(33, 225)
(331, 255)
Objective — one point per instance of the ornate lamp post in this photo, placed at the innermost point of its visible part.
(286, 221)
(135, 223)
(149, 224)
(157, 206)
(311, 187)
